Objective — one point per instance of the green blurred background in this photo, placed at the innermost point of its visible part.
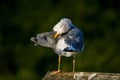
(21, 19)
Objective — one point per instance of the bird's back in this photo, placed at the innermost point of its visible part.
(75, 39)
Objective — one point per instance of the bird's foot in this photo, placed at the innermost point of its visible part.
(56, 72)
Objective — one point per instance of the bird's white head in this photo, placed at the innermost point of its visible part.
(63, 26)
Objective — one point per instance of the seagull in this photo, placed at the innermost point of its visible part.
(65, 39)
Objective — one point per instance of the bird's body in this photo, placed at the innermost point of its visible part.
(71, 43)
(65, 39)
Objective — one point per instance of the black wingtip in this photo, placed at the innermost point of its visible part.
(33, 39)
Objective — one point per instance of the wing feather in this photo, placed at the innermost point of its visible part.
(74, 39)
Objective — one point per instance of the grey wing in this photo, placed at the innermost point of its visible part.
(75, 40)
(44, 39)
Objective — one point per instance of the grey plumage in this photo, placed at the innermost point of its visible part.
(74, 38)
(65, 39)
(44, 39)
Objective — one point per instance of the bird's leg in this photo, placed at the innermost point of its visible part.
(73, 64)
(59, 61)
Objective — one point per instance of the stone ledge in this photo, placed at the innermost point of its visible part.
(81, 76)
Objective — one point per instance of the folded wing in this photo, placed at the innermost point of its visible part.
(44, 39)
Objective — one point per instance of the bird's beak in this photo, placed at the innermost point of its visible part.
(55, 35)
